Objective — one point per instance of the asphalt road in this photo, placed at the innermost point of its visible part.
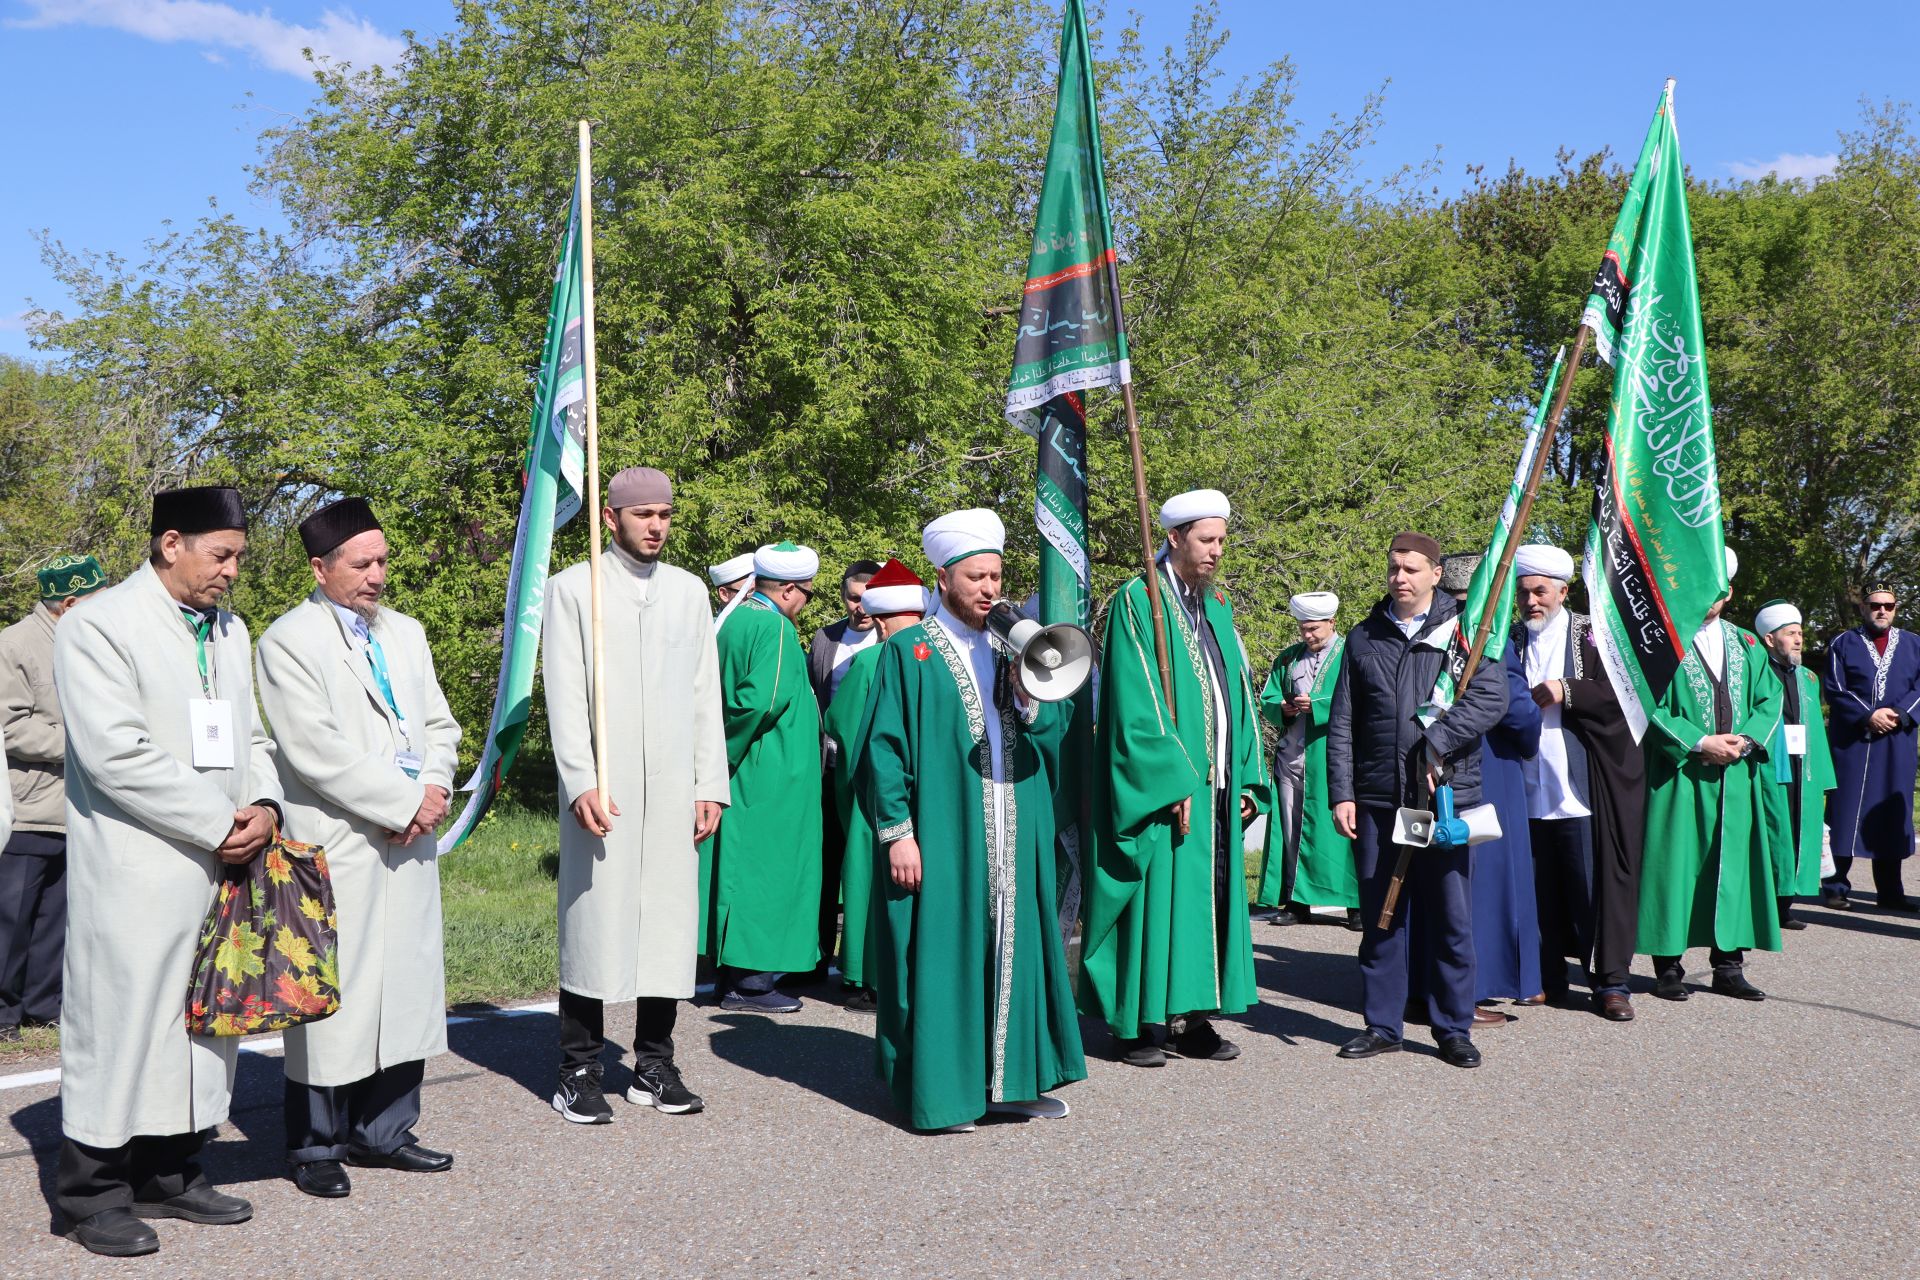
(1712, 1138)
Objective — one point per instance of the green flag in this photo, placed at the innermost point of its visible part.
(1482, 588)
(551, 483)
(1071, 336)
(1072, 339)
(1655, 556)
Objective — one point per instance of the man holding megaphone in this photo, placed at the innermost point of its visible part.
(1167, 942)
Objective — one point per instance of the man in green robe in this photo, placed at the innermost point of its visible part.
(895, 599)
(1166, 941)
(1802, 762)
(959, 766)
(760, 873)
(1708, 878)
(1307, 862)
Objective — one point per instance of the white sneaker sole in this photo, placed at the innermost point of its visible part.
(641, 1098)
(574, 1117)
(1036, 1109)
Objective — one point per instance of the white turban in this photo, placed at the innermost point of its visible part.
(1198, 504)
(1314, 606)
(1539, 560)
(730, 570)
(1733, 563)
(959, 534)
(1775, 615)
(786, 562)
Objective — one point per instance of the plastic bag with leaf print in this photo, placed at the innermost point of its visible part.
(269, 954)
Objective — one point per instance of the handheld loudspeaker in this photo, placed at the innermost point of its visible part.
(1442, 829)
(1055, 660)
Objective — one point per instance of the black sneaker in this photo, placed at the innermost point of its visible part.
(1200, 1040)
(579, 1097)
(658, 1085)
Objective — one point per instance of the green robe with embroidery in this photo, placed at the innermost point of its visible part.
(970, 972)
(846, 724)
(1708, 878)
(1161, 940)
(1796, 871)
(1324, 876)
(760, 873)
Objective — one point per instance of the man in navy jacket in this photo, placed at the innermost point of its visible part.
(1382, 753)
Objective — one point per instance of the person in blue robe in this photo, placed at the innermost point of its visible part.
(1872, 688)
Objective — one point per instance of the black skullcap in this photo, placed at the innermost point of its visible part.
(334, 523)
(200, 509)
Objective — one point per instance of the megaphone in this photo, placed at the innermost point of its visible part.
(1440, 828)
(1055, 660)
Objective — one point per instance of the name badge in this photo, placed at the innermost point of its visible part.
(211, 723)
(1796, 739)
(410, 762)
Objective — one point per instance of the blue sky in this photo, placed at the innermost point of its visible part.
(125, 114)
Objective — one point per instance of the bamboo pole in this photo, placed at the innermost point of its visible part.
(1154, 605)
(593, 464)
(1484, 630)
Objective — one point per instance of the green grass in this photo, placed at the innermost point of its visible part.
(498, 893)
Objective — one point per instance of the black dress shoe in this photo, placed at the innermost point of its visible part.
(412, 1158)
(1458, 1051)
(1283, 916)
(116, 1233)
(1737, 986)
(326, 1179)
(1369, 1044)
(1353, 921)
(1141, 1051)
(1834, 901)
(1907, 906)
(1791, 922)
(1671, 986)
(204, 1204)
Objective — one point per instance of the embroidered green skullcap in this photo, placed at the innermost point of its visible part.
(71, 576)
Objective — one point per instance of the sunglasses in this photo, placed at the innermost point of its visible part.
(1881, 606)
(806, 593)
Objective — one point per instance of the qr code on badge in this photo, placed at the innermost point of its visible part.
(213, 733)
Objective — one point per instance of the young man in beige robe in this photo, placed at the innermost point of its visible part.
(629, 874)
(367, 752)
(169, 776)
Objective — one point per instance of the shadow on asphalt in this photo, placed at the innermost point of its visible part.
(833, 1062)
(1885, 924)
(524, 1049)
(1322, 978)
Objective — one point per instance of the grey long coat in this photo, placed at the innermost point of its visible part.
(630, 904)
(337, 741)
(142, 824)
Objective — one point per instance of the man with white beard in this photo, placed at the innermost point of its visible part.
(1802, 762)
(1586, 792)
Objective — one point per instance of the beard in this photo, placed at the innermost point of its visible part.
(644, 557)
(365, 611)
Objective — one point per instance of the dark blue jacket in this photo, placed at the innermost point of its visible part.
(1374, 730)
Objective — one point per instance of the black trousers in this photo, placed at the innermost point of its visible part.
(145, 1170)
(33, 926)
(583, 1029)
(1723, 962)
(1563, 895)
(833, 855)
(373, 1116)
(1887, 885)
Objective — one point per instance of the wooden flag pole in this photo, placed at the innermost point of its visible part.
(1484, 631)
(593, 463)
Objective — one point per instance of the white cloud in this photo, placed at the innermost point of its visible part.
(1786, 166)
(340, 36)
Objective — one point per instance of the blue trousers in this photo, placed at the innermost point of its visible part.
(1437, 889)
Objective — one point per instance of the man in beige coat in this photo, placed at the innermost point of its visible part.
(629, 874)
(367, 753)
(169, 775)
(33, 868)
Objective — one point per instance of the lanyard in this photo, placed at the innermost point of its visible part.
(201, 626)
(378, 661)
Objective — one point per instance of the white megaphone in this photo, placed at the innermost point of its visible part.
(1055, 660)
